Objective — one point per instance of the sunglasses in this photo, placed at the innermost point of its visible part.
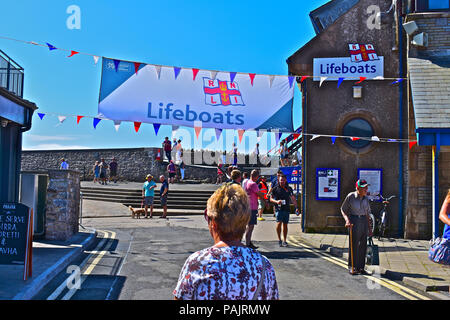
(207, 219)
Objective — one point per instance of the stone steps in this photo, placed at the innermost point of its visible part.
(188, 201)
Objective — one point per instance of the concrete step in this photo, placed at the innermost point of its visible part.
(118, 197)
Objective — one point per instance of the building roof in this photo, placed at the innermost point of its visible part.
(16, 99)
(327, 14)
(430, 84)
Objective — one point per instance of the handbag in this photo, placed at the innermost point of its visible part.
(261, 281)
(439, 251)
(372, 254)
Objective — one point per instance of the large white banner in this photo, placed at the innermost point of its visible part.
(183, 97)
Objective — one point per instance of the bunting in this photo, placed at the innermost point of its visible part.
(96, 122)
(259, 132)
(194, 73)
(117, 125)
(252, 77)
(156, 126)
(72, 53)
(241, 134)
(218, 133)
(136, 67)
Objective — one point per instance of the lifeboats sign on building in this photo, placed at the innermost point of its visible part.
(336, 68)
(168, 95)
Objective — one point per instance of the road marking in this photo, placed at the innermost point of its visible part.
(399, 289)
(63, 285)
(91, 267)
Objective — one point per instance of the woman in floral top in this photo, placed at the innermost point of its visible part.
(228, 270)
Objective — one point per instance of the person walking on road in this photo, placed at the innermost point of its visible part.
(282, 196)
(262, 185)
(228, 270)
(253, 192)
(148, 195)
(236, 177)
(356, 212)
(163, 193)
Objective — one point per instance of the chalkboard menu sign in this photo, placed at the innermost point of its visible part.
(14, 233)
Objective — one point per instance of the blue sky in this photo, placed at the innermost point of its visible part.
(242, 36)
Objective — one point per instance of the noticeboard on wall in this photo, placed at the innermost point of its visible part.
(328, 184)
(374, 179)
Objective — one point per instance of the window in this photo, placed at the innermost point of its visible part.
(357, 127)
(438, 4)
(432, 5)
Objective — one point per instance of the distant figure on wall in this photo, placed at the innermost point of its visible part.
(103, 172)
(64, 164)
(167, 146)
(113, 170)
(96, 171)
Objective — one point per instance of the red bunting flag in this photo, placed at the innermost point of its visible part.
(361, 79)
(137, 125)
(194, 73)
(296, 135)
(72, 53)
(252, 77)
(136, 67)
(197, 131)
(303, 78)
(354, 138)
(241, 134)
(79, 118)
(412, 143)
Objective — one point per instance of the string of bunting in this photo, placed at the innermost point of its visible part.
(177, 70)
(198, 127)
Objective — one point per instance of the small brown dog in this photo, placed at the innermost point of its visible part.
(136, 212)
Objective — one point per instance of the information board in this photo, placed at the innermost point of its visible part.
(374, 179)
(328, 184)
(14, 233)
(293, 174)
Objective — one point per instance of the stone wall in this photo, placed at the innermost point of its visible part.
(62, 204)
(437, 26)
(133, 163)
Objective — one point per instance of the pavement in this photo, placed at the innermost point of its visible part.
(400, 259)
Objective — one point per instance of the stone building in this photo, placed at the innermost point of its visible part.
(427, 26)
(367, 109)
(15, 118)
(383, 106)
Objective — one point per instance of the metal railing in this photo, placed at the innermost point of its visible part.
(11, 75)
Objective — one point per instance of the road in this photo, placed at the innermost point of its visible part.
(140, 259)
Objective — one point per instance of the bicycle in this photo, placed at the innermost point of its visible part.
(383, 217)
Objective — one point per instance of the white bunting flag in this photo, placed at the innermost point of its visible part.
(315, 136)
(62, 118)
(213, 75)
(271, 78)
(117, 125)
(96, 59)
(322, 79)
(158, 71)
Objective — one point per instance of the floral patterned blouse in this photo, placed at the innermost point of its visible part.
(226, 273)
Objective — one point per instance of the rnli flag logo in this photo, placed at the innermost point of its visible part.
(225, 93)
(362, 52)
